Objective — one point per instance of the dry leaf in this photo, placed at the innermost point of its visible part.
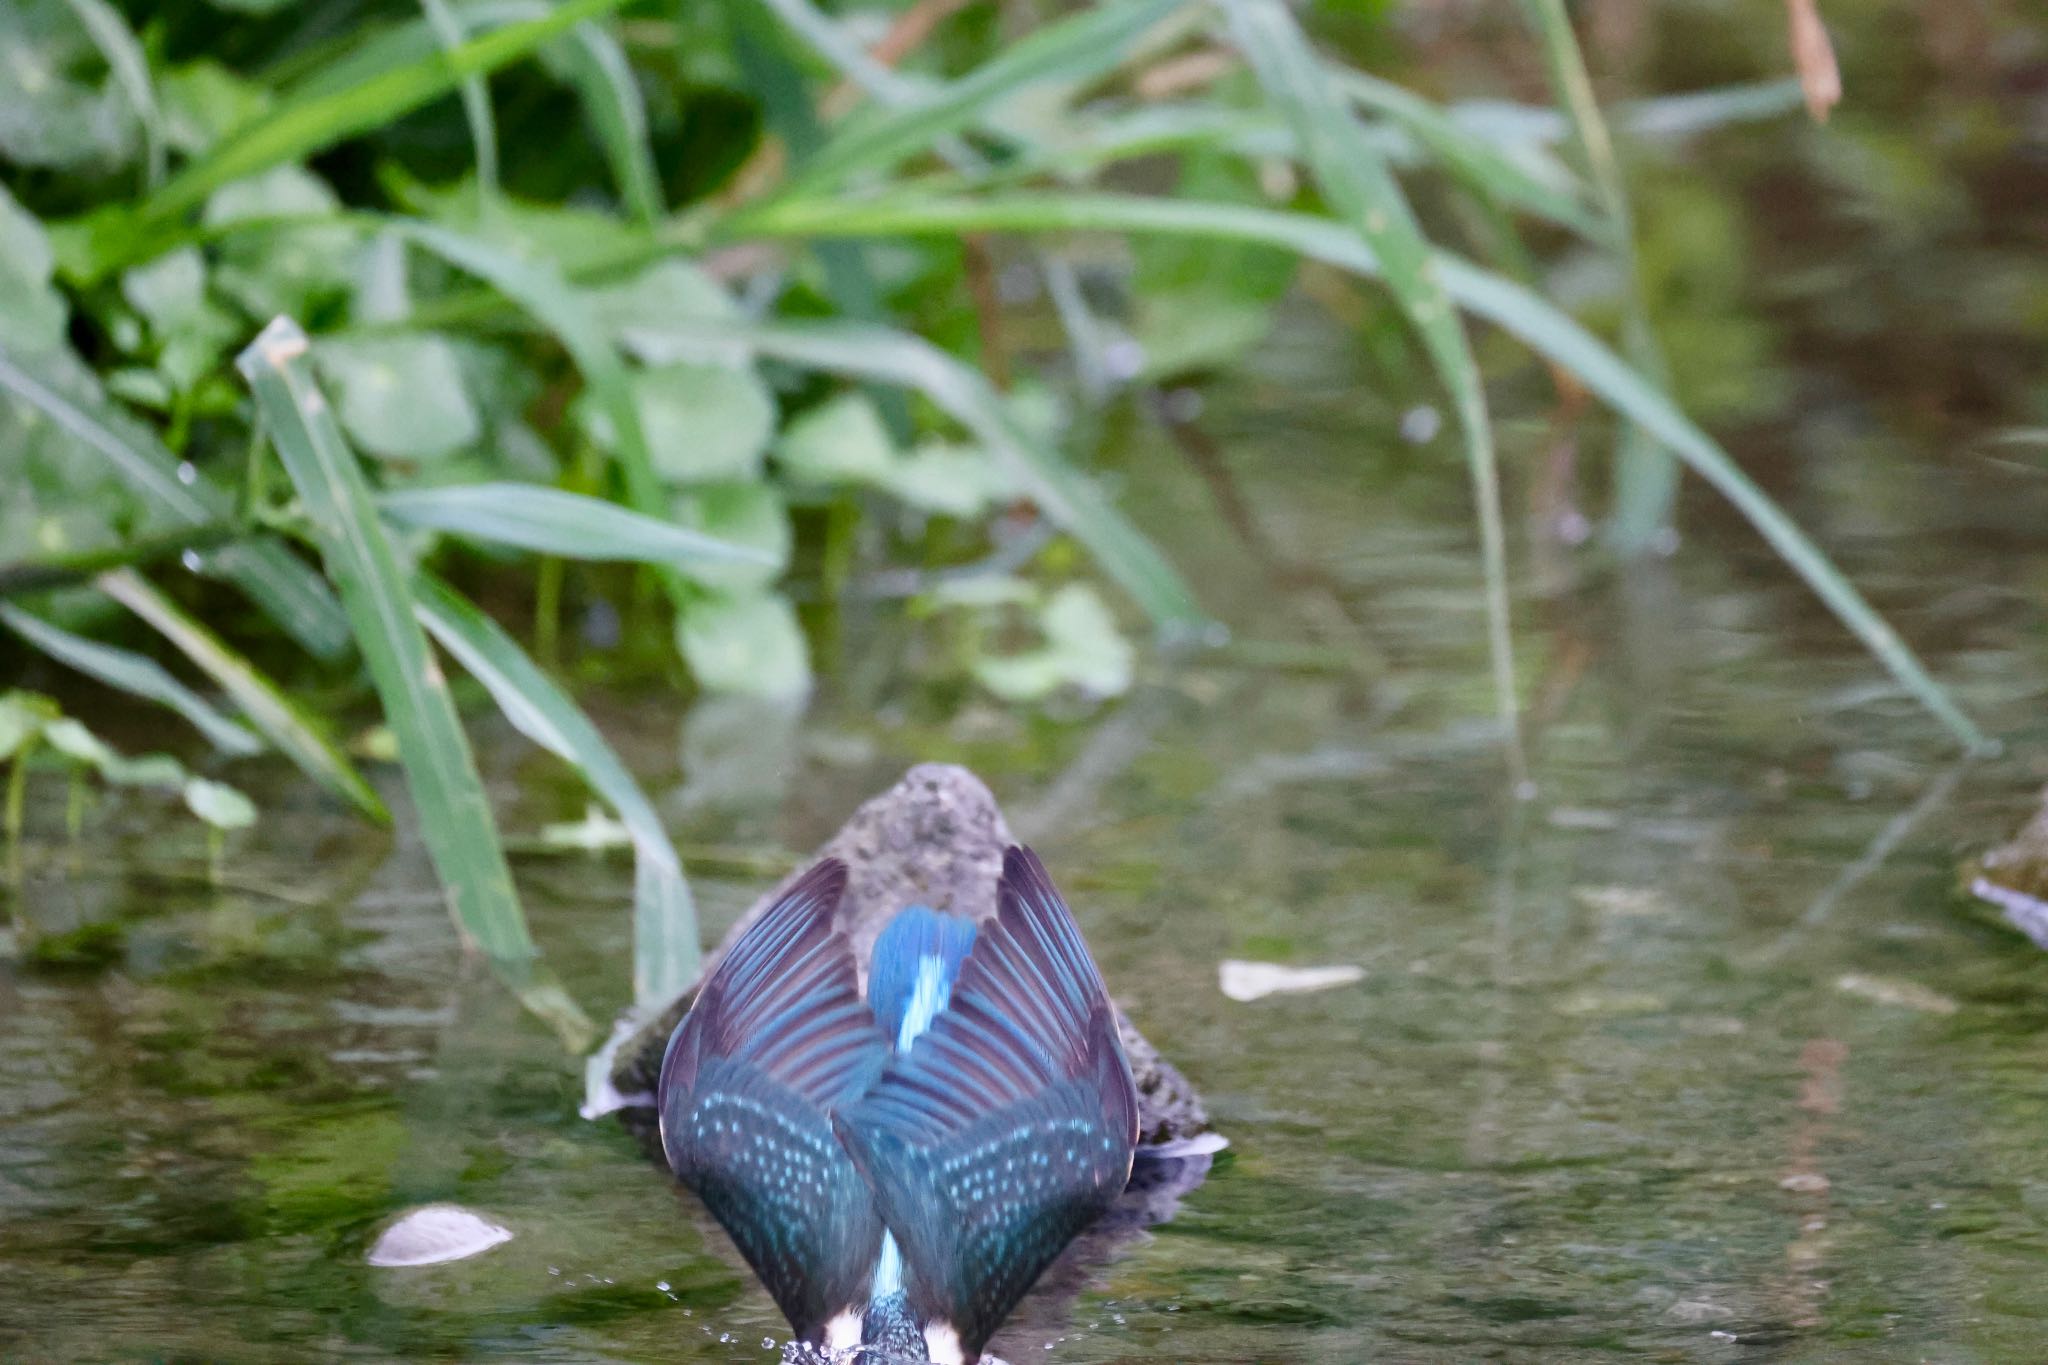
(1814, 55)
(1250, 980)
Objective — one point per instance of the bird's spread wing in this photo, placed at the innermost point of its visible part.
(1009, 1126)
(777, 1040)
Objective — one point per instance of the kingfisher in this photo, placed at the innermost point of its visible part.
(899, 1162)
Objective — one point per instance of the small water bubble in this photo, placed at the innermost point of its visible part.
(1123, 359)
(1420, 424)
(191, 560)
(767, 1343)
(662, 1285)
(188, 473)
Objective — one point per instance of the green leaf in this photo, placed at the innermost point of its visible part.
(218, 804)
(400, 397)
(1083, 649)
(281, 719)
(559, 523)
(746, 642)
(454, 816)
(289, 269)
(132, 673)
(701, 422)
(22, 717)
(842, 440)
(50, 119)
(957, 480)
(748, 514)
(665, 943)
(192, 333)
(36, 313)
(893, 357)
(71, 739)
(666, 290)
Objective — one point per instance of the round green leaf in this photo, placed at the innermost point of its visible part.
(401, 397)
(748, 643)
(219, 805)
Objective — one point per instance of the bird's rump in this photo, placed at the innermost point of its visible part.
(977, 1105)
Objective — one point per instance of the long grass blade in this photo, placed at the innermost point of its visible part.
(455, 818)
(295, 733)
(136, 674)
(1645, 477)
(1074, 49)
(270, 574)
(560, 523)
(475, 92)
(888, 356)
(1362, 192)
(1537, 323)
(117, 43)
(665, 943)
(1478, 164)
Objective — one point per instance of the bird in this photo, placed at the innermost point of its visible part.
(899, 1164)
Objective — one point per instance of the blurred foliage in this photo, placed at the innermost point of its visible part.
(722, 283)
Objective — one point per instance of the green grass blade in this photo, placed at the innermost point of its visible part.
(1364, 195)
(1645, 477)
(1480, 165)
(454, 816)
(597, 66)
(475, 92)
(117, 43)
(274, 578)
(559, 523)
(136, 674)
(1074, 49)
(1540, 325)
(665, 943)
(539, 288)
(304, 124)
(287, 590)
(294, 733)
(887, 356)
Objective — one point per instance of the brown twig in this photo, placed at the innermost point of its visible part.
(988, 309)
(911, 30)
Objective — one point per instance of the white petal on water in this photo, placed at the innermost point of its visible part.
(434, 1233)
(1250, 980)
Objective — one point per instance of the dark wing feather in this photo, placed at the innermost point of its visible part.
(1009, 1126)
(777, 1039)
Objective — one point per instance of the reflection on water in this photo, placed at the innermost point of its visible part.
(1700, 1055)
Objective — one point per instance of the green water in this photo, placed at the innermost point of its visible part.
(1697, 1056)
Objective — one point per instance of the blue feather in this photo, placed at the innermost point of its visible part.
(911, 972)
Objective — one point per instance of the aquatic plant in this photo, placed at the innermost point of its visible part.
(642, 358)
